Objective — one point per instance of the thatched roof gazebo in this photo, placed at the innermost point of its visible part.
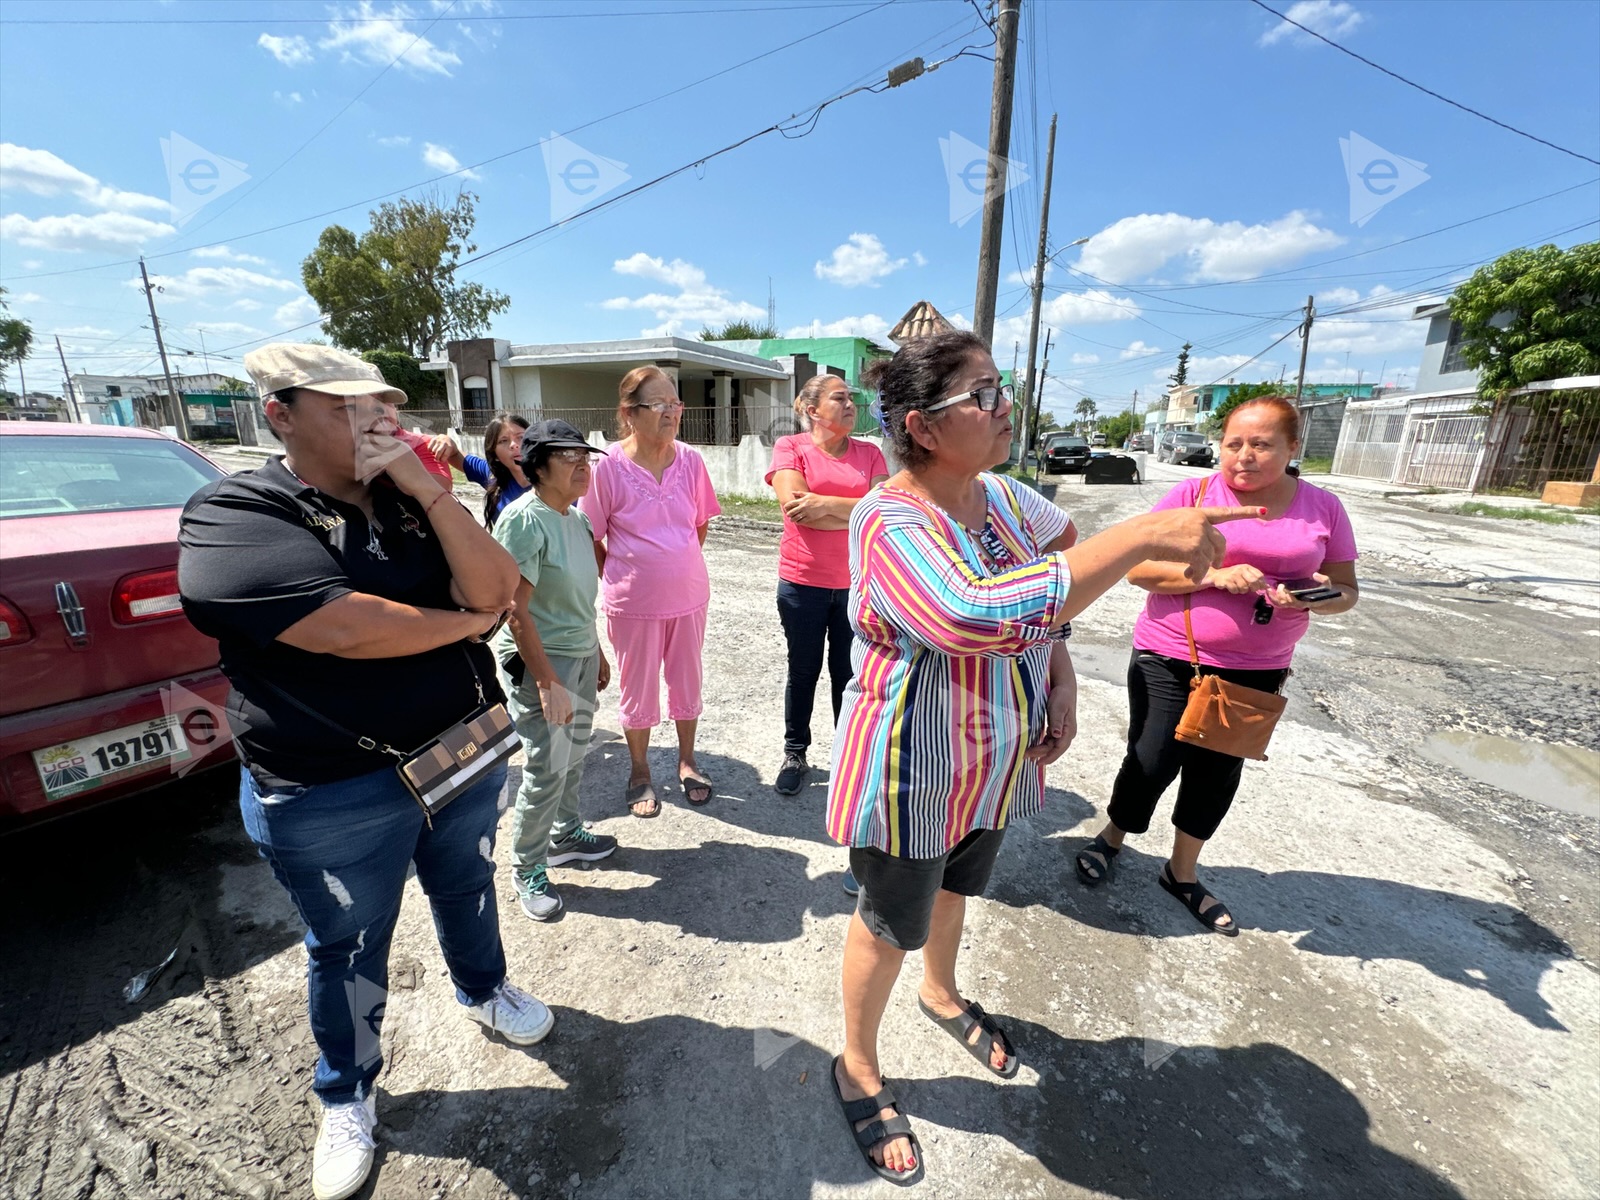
(922, 320)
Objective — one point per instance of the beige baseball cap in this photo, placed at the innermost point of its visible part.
(285, 365)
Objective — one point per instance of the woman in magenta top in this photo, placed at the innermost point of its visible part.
(820, 476)
(649, 504)
(1246, 626)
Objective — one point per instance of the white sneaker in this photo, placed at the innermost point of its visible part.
(343, 1157)
(514, 1015)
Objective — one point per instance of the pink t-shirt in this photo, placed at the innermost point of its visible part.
(1314, 530)
(821, 557)
(654, 567)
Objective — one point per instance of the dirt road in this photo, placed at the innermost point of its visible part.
(1413, 1008)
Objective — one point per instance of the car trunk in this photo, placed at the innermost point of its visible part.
(92, 554)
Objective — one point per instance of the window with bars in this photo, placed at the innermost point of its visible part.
(1453, 359)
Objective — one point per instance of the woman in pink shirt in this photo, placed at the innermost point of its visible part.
(820, 476)
(649, 504)
(1246, 626)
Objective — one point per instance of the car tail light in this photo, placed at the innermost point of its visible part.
(146, 597)
(14, 627)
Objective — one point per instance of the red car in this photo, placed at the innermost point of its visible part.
(108, 690)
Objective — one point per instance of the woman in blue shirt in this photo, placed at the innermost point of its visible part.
(499, 475)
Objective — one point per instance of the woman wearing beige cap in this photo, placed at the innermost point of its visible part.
(352, 597)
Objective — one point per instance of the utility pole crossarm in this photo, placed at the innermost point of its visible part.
(1305, 344)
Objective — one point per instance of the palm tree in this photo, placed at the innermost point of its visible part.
(1085, 410)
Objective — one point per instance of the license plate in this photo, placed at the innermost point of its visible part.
(105, 758)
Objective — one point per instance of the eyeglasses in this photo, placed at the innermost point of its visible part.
(570, 456)
(661, 407)
(988, 399)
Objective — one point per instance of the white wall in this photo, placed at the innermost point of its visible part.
(735, 470)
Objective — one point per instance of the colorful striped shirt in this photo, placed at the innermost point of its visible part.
(952, 659)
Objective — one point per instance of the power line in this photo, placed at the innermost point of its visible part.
(497, 18)
(1426, 90)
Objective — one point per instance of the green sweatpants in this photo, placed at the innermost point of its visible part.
(547, 801)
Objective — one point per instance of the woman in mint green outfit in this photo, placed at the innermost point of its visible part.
(549, 654)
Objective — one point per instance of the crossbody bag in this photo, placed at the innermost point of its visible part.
(1222, 716)
(447, 764)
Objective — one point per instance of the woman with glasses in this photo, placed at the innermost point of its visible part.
(498, 471)
(820, 476)
(650, 504)
(962, 586)
(1247, 613)
(551, 661)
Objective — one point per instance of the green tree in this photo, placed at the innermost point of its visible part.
(1238, 396)
(1531, 315)
(16, 338)
(1117, 428)
(404, 372)
(1085, 409)
(738, 331)
(394, 287)
(1181, 376)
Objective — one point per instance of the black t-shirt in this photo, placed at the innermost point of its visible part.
(260, 550)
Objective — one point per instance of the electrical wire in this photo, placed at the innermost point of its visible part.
(1426, 90)
(494, 17)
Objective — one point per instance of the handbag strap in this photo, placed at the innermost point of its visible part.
(1188, 621)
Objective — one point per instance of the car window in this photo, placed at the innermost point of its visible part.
(45, 475)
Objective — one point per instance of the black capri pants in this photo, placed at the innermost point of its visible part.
(1158, 690)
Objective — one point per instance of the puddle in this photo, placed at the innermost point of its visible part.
(1562, 777)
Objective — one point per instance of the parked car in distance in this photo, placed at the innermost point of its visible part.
(1139, 441)
(108, 688)
(1065, 453)
(1185, 449)
(1097, 439)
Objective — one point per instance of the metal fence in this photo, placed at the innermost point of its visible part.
(1441, 451)
(1370, 442)
(1553, 439)
(698, 426)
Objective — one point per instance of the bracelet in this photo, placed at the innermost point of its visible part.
(488, 633)
(442, 494)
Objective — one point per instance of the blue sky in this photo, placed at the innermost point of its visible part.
(1199, 151)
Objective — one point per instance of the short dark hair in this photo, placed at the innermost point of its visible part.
(918, 375)
(287, 396)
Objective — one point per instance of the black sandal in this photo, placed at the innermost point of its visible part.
(879, 1132)
(1086, 865)
(960, 1025)
(1194, 895)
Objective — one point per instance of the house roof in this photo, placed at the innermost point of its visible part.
(635, 352)
(921, 320)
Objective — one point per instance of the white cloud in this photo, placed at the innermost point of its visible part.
(696, 304)
(27, 298)
(227, 254)
(860, 261)
(1025, 279)
(1337, 295)
(45, 174)
(216, 283)
(1331, 18)
(1335, 335)
(364, 34)
(246, 305)
(918, 257)
(398, 139)
(102, 231)
(443, 161)
(288, 99)
(296, 312)
(290, 51)
(868, 325)
(1084, 360)
(227, 328)
(1134, 247)
(1138, 349)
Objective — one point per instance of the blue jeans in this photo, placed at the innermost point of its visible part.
(810, 616)
(341, 850)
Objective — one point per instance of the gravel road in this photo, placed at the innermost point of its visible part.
(1413, 1008)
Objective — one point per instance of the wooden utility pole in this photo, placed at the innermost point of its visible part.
(994, 184)
(1305, 344)
(66, 379)
(180, 416)
(1038, 270)
(1033, 424)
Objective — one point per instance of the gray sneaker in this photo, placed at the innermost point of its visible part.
(580, 845)
(539, 899)
(792, 774)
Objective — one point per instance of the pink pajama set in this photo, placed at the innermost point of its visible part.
(654, 590)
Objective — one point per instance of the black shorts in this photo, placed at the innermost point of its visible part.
(897, 894)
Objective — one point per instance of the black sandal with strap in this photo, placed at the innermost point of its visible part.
(960, 1026)
(879, 1132)
(1193, 896)
(1087, 865)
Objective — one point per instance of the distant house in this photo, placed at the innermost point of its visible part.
(1321, 410)
(142, 399)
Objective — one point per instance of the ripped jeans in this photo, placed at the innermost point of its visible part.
(342, 851)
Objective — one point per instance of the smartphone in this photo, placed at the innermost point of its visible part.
(1309, 591)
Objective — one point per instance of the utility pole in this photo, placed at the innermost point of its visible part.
(1034, 425)
(1038, 269)
(1305, 344)
(66, 378)
(994, 184)
(181, 417)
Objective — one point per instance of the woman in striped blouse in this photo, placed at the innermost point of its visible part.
(962, 583)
